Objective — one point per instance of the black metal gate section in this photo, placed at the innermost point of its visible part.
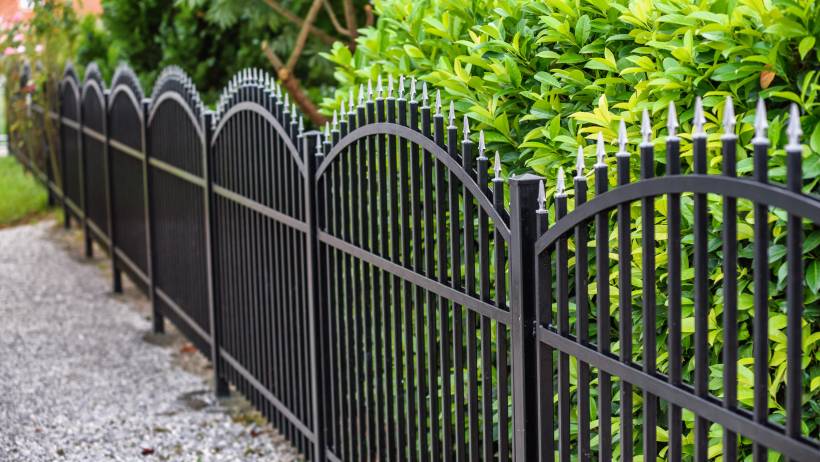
(94, 158)
(582, 324)
(70, 139)
(129, 192)
(259, 251)
(178, 205)
(414, 299)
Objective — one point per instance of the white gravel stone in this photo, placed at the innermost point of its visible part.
(79, 383)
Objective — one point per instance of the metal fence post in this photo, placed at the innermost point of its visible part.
(214, 311)
(89, 244)
(61, 147)
(523, 223)
(116, 274)
(158, 319)
(315, 306)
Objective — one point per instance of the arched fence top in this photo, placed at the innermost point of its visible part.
(174, 79)
(124, 76)
(93, 74)
(264, 112)
(70, 72)
(772, 195)
(430, 146)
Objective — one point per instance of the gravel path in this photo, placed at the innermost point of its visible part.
(79, 382)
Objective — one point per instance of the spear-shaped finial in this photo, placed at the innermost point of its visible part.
(542, 199)
(361, 94)
(287, 100)
(342, 107)
(438, 102)
(301, 124)
(481, 145)
(699, 119)
(728, 116)
(401, 86)
(794, 130)
(413, 87)
(579, 162)
(335, 120)
(349, 100)
(622, 139)
(389, 85)
(318, 143)
(761, 123)
(425, 101)
(293, 108)
(452, 114)
(559, 187)
(646, 127)
(379, 88)
(497, 166)
(466, 128)
(600, 151)
(327, 132)
(370, 89)
(672, 119)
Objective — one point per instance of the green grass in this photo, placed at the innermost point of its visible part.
(21, 195)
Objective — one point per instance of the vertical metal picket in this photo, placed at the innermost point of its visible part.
(157, 319)
(116, 274)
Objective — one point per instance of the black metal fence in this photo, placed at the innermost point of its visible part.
(368, 291)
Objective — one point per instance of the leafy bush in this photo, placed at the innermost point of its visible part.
(542, 78)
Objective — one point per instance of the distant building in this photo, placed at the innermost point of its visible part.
(10, 9)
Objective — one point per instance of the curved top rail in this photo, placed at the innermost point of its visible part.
(92, 73)
(70, 72)
(174, 79)
(196, 121)
(385, 128)
(259, 109)
(763, 193)
(125, 76)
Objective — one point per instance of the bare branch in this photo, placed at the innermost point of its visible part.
(301, 39)
(318, 33)
(350, 19)
(335, 20)
(369, 17)
(293, 87)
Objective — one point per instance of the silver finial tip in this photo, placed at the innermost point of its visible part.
(390, 85)
(452, 114)
(361, 94)
(579, 162)
(481, 145)
(412, 87)
(301, 124)
(622, 139)
(646, 126)
(438, 102)
(379, 87)
(728, 116)
(401, 86)
(327, 131)
(497, 166)
(424, 98)
(466, 128)
(335, 120)
(600, 151)
(369, 89)
(672, 119)
(761, 123)
(794, 130)
(560, 183)
(699, 119)
(542, 197)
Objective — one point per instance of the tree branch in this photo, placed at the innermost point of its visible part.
(293, 87)
(350, 19)
(301, 39)
(369, 17)
(318, 33)
(335, 20)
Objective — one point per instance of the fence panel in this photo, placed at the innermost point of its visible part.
(127, 155)
(690, 403)
(259, 252)
(176, 143)
(94, 161)
(70, 143)
(416, 297)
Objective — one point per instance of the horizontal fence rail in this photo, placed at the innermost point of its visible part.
(368, 290)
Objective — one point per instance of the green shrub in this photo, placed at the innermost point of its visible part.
(542, 77)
